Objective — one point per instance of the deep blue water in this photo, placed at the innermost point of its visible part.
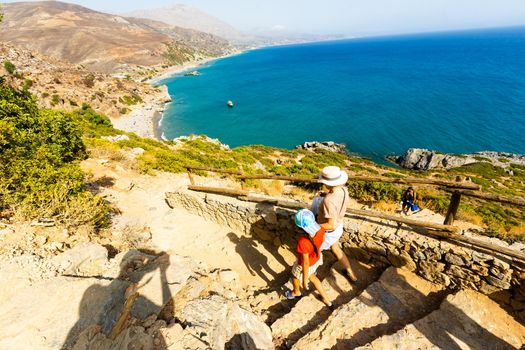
(453, 92)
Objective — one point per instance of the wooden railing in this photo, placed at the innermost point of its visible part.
(457, 189)
(445, 232)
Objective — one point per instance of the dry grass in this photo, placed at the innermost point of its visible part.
(84, 209)
(272, 188)
(110, 151)
(386, 206)
(471, 217)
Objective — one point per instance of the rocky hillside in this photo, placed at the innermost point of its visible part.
(65, 86)
(100, 41)
(192, 18)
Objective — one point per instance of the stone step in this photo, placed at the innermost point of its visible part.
(465, 320)
(398, 298)
(310, 311)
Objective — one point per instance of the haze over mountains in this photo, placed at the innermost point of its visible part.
(192, 18)
(100, 41)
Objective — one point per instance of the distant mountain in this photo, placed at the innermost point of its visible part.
(100, 41)
(192, 18)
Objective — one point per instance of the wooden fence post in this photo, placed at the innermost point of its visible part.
(454, 205)
(243, 181)
(190, 175)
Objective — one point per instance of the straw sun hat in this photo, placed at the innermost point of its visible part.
(333, 176)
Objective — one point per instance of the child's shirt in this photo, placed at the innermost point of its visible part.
(304, 246)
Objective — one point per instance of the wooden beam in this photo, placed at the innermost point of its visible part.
(219, 190)
(493, 197)
(278, 177)
(354, 212)
(404, 181)
(415, 180)
(402, 220)
(213, 170)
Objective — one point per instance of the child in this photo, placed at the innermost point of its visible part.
(309, 256)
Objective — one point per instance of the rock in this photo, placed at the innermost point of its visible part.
(230, 278)
(327, 146)
(131, 338)
(218, 321)
(161, 281)
(117, 138)
(204, 138)
(85, 258)
(172, 334)
(423, 159)
(137, 151)
(149, 321)
(466, 320)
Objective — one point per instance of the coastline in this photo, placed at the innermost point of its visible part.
(145, 120)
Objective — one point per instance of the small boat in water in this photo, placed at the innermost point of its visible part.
(192, 74)
(229, 104)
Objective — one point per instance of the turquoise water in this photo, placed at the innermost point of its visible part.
(453, 92)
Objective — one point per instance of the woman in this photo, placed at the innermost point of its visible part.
(331, 212)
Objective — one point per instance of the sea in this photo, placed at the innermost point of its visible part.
(454, 92)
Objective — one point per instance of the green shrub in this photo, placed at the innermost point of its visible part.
(55, 99)
(9, 67)
(39, 154)
(130, 100)
(89, 80)
(28, 83)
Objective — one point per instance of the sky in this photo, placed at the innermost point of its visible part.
(347, 17)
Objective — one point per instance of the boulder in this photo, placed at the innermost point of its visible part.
(223, 324)
(326, 145)
(85, 259)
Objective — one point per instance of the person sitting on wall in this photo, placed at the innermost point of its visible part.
(408, 201)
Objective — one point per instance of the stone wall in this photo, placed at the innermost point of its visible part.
(379, 242)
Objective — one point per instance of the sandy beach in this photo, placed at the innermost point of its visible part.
(144, 119)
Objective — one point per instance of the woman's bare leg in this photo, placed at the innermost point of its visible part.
(317, 284)
(341, 256)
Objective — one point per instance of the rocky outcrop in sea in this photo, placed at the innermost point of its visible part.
(423, 159)
(326, 145)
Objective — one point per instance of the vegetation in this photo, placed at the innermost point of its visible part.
(130, 100)
(28, 83)
(89, 80)
(39, 154)
(177, 53)
(40, 176)
(9, 67)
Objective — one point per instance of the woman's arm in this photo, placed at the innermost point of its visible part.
(329, 225)
(306, 268)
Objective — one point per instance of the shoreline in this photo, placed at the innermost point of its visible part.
(146, 120)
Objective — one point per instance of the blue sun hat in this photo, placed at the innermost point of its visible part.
(305, 219)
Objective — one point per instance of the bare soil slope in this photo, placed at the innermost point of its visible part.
(100, 41)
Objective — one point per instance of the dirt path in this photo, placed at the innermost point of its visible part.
(177, 231)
